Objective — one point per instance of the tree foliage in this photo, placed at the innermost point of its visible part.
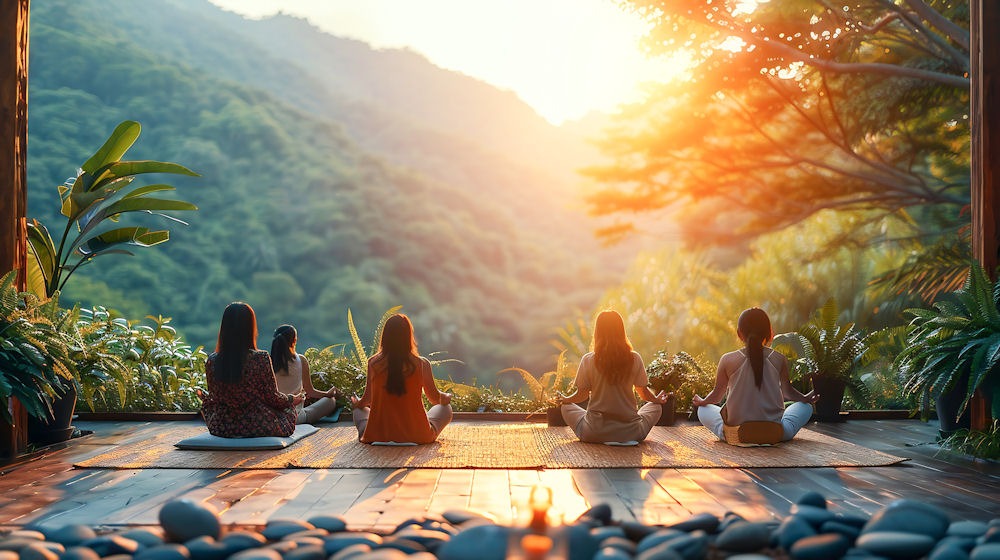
(792, 107)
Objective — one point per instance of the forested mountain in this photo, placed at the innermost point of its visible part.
(334, 177)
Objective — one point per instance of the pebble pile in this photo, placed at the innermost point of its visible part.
(904, 529)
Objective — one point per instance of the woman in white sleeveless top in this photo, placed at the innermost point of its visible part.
(291, 371)
(754, 381)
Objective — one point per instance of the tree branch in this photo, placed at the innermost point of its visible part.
(867, 67)
(943, 24)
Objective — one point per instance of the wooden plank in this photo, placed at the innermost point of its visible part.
(262, 504)
(491, 494)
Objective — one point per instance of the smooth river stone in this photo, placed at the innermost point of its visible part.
(481, 542)
(612, 553)
(206, 548)
(38, 551)
(989, 551)
(76, 553)
(332, 523)
(948, 552)
(812, 498)
(816, 516)
(655, 539)
(170, 551)
(703, 521)
(111, 544)
(71, 535)
(337, 541)
(896, 544)
(278, 529)
(183, 520)
(793, 529)
(967, 529)
(820, 547)
(745, 537)
(659, 552)
(909, 516)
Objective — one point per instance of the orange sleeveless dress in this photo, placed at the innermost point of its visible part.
(397, 417)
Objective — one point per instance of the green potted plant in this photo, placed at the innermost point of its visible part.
(682, 376)
(953, 350)
(36, 356)
(829, 354)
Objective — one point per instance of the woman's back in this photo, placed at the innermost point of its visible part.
(397, 417)
(744, 400)
(613, 399)
(250, 407)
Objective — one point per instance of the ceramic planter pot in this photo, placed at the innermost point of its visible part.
(831, 398)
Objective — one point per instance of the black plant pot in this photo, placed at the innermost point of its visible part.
(56, 429)
(831, 398)
(669, 413)
(948, 404)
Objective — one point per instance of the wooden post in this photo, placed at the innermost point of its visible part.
(984, 52)
(13, 175)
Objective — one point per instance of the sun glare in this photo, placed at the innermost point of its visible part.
(565, 58)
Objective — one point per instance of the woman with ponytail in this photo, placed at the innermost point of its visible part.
(754, 381)
(291, 371)
(606, 376)
(243, 399)
(391, 410)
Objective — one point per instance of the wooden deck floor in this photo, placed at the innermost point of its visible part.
(48, 490)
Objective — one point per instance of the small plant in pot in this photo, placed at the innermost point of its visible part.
(953, 350)
(682, 376)
(830, 355)
(37, 348)
(545, 390)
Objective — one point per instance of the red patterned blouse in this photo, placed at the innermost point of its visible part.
(253, 407)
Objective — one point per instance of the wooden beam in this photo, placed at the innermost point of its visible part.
(985, 120)
(13, 134)
(13, 174)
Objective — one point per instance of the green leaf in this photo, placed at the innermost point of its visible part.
(124, 135)
(122, 169)
(132, 235)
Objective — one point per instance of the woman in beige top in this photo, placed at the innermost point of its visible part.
(607, 376)
(291, 371)
(754, 381)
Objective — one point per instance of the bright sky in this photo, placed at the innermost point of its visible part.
(565, 58)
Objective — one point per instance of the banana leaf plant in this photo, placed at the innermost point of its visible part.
(960, 334)
(100, 194)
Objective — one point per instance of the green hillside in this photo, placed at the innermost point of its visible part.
(333, 177)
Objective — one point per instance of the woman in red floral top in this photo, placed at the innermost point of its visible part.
(243, 398)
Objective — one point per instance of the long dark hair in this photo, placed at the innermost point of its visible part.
(754, 329)
(281, 347)
(397, 347)
(612, 349)
(237, 338)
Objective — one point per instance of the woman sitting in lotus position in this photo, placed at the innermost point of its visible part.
(607, 376)
(291, 371)
(754, 381)
(243, 399)
(391, 408)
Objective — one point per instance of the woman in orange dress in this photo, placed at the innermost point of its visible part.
(391, 410)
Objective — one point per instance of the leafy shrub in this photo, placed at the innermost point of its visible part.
(543, 391)
(37, 347)
(163, 372)
(681, 374)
